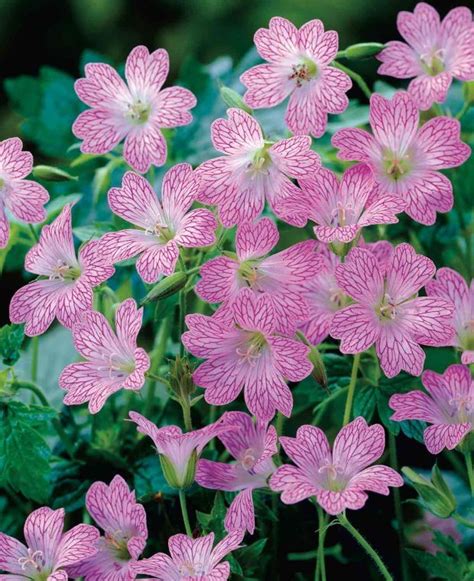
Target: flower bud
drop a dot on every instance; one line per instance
(319, 369)
(174, 477)
(166, 287)
(233, 99)
(181, 378)
(435, 493)
(52, 174)
(363, 50)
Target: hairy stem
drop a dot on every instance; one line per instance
(463, 521)
(185, 406)
(34, 358)
(320, 571)
(398, 507)
(351, 390)
(355, 77)
(184, 512)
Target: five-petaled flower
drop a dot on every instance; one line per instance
(163, 225)
(48, 551)
(136, 111)
(112, 359)
(252, 444)
(65, 291)
(405, 159)
(448, 406)
(253, 169)
(338, 478)
(243, 351)
(435, 53)
(388, 310)
(298, 66)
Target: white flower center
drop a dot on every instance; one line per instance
(35, 559)
(138, 112)
(63, 271)
(189, 569)
(250, 350)
(332, 475)
(433, 62)
(303, 72)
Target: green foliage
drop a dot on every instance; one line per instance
(11, 340)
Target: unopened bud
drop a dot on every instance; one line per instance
(52, 174)
(435, 493)
(166, 287)
(319, 369)
(363, 50)
(233, 99)
(181, 379)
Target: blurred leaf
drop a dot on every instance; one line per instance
(365, 402)
(95, 230)
(214, 521)
(149, 478)
(11, 340)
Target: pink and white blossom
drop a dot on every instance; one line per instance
(48, 551)
(252, 169)
(191, 559)
(448, 406)
(112, 359)
(450, 285)
(387, 310)
(339, 478)
(404, 158)
(243, 351)
(25, 199)
(279, 276)
(123, 520)
(299, 67)
(65, 288)
(135, 111)
(252, 444)
(435, 52)
(164, 225)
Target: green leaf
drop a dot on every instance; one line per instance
(365, 401)
(11, 340)
(214, 521)
(149, 479)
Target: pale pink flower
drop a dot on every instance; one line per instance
(450, 285)
(388, 310)
(112, 359)
(48, 551)
(164, 225)
(252, 445)
(448, 406)
(65, 289)
(191, 559)
(298, 66)
(243, 351)
(135, 111)
(339, 209)
(180, 450)
(434, 53)
(278, 276)
(421, 532)
(123, 520)
(253, 169)
(23, 198)
(405, 159)
(339, 478)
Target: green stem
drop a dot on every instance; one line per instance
(355, 77)
(30, 386)
(182, 309)
(470, 471)
(156, 358)
(351, 390)
(33, 233)
(184, 512)
(463, 521)
(365, 545)
(465, 108)
(436, 108)
(398, 507)
(319, 409)
(320, 571)
(188, 423)
(212, 419)
(34, 358)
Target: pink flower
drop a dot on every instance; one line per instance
(339, 478)
(448, 406)
(164, 225)
(298, 65)
(388, 311)
(65, 291)
(279, 276)
(252, 169)
(191, 559)
(340, 209)
(123, 521)
(23, 198)
(450, 285)
(178, 452)
(435, 53)
(421, 532)
(113, 360)
(252, 445)
(136, 111)
(243, 351)
(404, 159)
(48, 550)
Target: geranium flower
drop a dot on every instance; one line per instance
(191, 559)
(23, 198)
(243, 351)
(435, 53)
(252, 445)
(123, 520)
(48, 551)
(448, 406)
(178, 452)
(65, 291)
(135, 111)
(164, 225)
(113, 360)
(341, 478)
(340, 209)
(388, 311)
(252, 170)
(298, 65)
(450, 285)
(404, 159)
(278, 276)
(421, 532)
